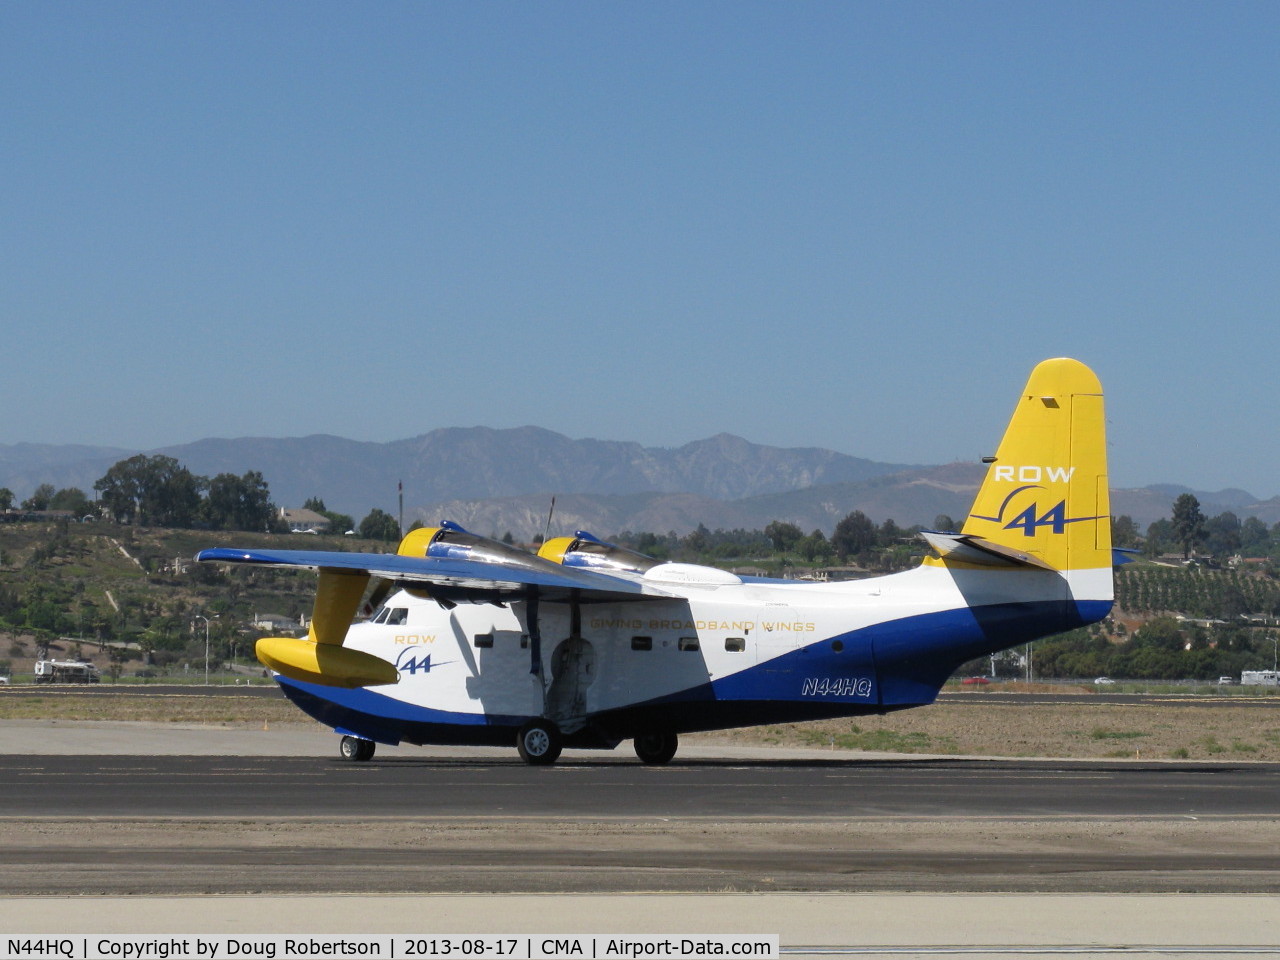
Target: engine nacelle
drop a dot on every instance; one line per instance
(450, 541)
(584, 550)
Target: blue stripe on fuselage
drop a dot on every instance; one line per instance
(883, 667)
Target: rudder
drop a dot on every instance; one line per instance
(1046, 492)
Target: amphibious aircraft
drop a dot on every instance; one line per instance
(588, 644)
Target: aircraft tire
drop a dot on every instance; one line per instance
(656, 747)
(539, 743)
(357, 750)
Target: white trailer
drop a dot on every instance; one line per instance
(66, 671)
(1260, 678)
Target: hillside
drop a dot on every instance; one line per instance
(500, 480)
(453, 464)
(115, 584)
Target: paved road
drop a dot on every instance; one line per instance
(174, 786)
(232, 824)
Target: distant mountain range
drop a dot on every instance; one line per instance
(494, 481)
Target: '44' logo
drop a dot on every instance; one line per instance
(409, 662)
(1028, 522)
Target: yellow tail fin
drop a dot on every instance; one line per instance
(1046, 492)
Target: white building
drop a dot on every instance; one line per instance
(304, 521)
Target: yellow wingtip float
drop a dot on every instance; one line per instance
(332, 666)
(320, 657)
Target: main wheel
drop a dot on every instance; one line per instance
(354, 748)
(539, 743)
(656, 747)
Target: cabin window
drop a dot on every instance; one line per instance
(524, 641)
(484, 641)
(642, 643)
(398, 616)
(735, 644)
(688, 643)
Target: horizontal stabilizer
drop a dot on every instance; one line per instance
(966, 548)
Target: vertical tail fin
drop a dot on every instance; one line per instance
(1046, 494)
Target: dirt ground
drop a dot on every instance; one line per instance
(542, 855)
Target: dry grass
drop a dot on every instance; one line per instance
(151, 708)
(1153, 729)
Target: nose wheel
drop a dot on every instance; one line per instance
(539, 743)
(353, 748)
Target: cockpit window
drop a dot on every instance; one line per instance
(398, 616)
(381, 615)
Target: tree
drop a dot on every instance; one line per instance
(1161, 538)
(815, 547)
(72, 499)
(6, 498)
(41, 498)
(890, 533)
(1124, 532)
(853, 535)
(341, 522)
(1188, 523)
(151, 490)
(239, 503)
(944, 524)
(1222, 534)
(380, 525)
(785, 536)
(1255, 538)
(698, 541)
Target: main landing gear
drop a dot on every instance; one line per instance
(656, 747)
(539, 743)
(353, 748)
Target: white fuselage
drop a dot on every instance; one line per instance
(786, 642)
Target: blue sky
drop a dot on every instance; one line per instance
(849, 225)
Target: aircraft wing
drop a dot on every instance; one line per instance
(454, 579)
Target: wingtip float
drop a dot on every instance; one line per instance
(587, 644)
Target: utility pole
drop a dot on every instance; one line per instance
(200, 616)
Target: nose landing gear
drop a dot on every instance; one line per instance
(539, 743)
(353, 748)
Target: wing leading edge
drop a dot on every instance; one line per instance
(458, 580)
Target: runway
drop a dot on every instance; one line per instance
(221, 829)
(496, 784)
(482, 821)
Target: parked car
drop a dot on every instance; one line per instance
(974, 681)
(1226, 681)
(1103, 682)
